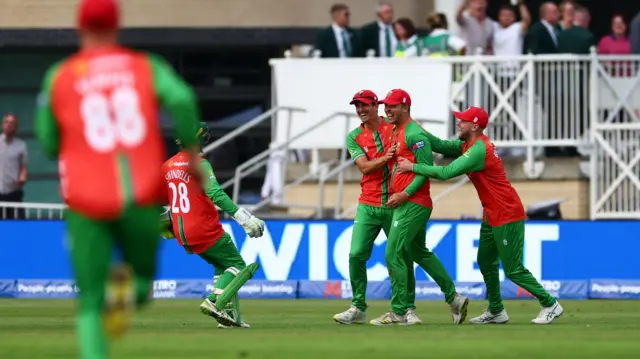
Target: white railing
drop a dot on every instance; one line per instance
(582, 104)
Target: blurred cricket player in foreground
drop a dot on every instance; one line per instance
(98, 113)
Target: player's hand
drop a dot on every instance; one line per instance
(391, 152)
(397, 199)
(254, 227)
(404, 165)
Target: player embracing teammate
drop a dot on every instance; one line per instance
(398, 204)
(502, 229)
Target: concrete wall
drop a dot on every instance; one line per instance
(206, 13)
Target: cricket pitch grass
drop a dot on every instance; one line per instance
(173, 328)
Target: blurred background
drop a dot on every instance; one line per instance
(249, 61)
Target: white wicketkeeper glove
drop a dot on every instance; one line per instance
(252, 225)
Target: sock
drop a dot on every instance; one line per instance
(93, 344)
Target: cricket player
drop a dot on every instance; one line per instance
(412, 208)
(195, 223)
(98, 114)
(371, 148)
(502, 228)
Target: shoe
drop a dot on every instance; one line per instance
(353, 315)
(459, 309)
(491, 318)
(390, 318)
(412, 318)
(119, 302)
(548, 314)
(209, 308)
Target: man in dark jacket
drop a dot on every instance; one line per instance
(542, 37)
(379, 35)
(339, 40)
(578, 39)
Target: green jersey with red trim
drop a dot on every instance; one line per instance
(373, 145)
(414, 145)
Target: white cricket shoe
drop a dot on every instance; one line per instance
(490, 318)
(242, 325)
(548, 314)
(353, 315)
(390, 318)
(209, 308)
(459, 309)
(412, 318)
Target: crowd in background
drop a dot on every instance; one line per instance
(561, 29)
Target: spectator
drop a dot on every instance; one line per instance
(567, 14)
(617, 42)
(408, 44)
(543, 35)
(13, 167)
(634, 37)
(508, 36)
(477, 28)
(440, 42)
(578, 39)
(338, 40)
(379, 35)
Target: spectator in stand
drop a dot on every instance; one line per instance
(508, 37)
(567, 14)
(634, 37)
(408, 42)
(476, 27)
(13, 167)
(617, 42)
(440, 42)
(578, 39)
(379, 35)
(339, 40)
(543, 35)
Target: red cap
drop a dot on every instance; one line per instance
(364, 96)
(98, 15)
(396, 97)
(475, 115)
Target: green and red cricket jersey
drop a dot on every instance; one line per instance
(375, 186)
(98, 112)
(480, 161)
(414, 145)
(195, 219)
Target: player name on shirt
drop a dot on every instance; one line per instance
(102, 81)
(178, 174)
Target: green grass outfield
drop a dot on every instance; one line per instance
(172, 328)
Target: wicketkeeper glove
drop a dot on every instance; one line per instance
(252, 225)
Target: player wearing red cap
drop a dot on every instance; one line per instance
(98, 113)
(412, 203)
(502, 228)
(371, 148)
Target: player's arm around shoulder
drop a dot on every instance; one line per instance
(471, 161)
(46, 126)
(451, 148)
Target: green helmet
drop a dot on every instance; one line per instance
(202, 134)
